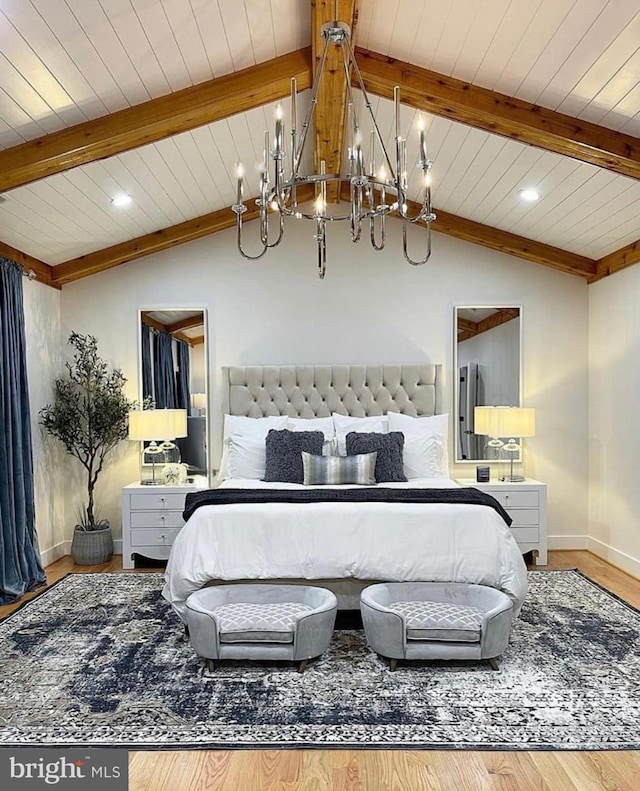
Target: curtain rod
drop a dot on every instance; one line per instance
(29, 273)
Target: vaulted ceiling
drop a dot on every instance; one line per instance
(159, 99)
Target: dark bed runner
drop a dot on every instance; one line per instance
(312, 495)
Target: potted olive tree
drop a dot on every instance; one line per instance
(89, 416)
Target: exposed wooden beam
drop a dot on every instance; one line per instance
(469, 329)
(504, 241)
(187, 231)
(619, 259)
(501, 114)
(186, 324)
(153, 323)
(465, 325)
(501, 316)
(154, 120)
(331, 108)
(158, 325)
(43, 272)
(511, 243)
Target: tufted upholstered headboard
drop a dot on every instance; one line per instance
(319, 390)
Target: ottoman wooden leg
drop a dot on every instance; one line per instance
(211, 665)
(494, 663)
(302, 666)
(393, 664)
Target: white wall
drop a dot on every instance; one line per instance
(197, 369)
(42, 330)
(614, 418)
(372, 307)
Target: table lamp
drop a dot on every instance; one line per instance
(505, 421)
(198, 403)
(151, 425)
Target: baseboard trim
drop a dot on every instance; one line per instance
(58, 551)
(55, 552)
(614, 556)
(567, 542)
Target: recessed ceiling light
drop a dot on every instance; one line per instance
(530, 194)
(122, 200)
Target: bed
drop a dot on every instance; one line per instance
(336, 542)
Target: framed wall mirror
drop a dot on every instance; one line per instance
(488, 366)
(173, 373)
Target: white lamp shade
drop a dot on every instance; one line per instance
(150, 424)
(198, 400)
(505, 421)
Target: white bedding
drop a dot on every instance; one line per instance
(368, 541)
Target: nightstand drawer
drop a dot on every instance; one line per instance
(150, 519)
(516, 499)
(154, 537)
(526, 535)
(522, 517)
(155, 501)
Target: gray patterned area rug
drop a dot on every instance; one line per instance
(100, 660)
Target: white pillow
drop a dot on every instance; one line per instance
(324, 424)
(255, 427)
(238, 424)
(246, 456)
(345, 423)
(425, 453)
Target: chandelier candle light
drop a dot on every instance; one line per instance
(367, 190)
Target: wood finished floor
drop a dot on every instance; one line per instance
(388, 770)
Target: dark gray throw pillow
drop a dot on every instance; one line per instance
(284, 453)
(389, 447)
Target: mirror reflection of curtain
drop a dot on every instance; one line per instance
(147, 367)
(183, 376)
(165, 382)
(20, 565)
(467, 400)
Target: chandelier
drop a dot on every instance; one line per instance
(372, 194)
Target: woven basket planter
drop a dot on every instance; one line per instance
(91, 547)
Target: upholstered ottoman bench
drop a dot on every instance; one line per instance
(261, 621)
(436, 620)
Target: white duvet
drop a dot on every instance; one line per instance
(394, 542)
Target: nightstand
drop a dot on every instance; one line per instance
(152, 518)
(526, 504)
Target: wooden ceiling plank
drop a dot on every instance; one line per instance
(616, 261)
(155, 242)
(503, 115)
(331, 107)
(43, 272)
(154, 120)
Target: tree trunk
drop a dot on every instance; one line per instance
(90, 487)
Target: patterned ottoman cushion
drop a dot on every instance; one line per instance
(431, 620)
(245, 622)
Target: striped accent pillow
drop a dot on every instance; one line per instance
(320, 470)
